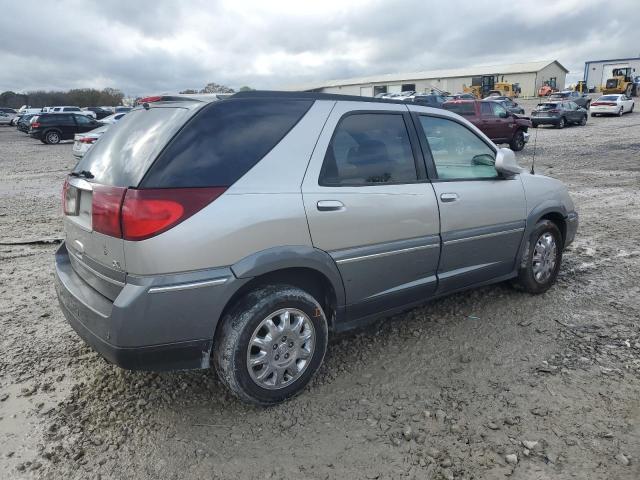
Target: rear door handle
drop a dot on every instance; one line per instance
(449, 197)
(330, 206)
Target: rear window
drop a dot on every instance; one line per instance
(126, 150)
(224, 141)
(543, 107)
(608, 98)
(466, 108)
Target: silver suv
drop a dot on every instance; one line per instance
(244, 230)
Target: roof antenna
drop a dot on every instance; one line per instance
(533, 161)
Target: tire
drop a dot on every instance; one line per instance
(248, 320)
(517, 142)
(52, 137)
(540, 263)
(583, 122)
(621, 111)
(632, 105)
(561, 123)
(594, 114)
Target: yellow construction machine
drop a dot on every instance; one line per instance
(487, 85)
(621, 81)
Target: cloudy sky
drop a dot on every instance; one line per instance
(153, 46)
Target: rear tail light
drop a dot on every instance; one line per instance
(106, 205)
(146, 213)
(87, 139)
(609, 104)
(150, 99)
(35, 125)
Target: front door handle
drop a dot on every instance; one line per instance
(330, 206)
(449, 197)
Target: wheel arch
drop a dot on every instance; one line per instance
(305, 267)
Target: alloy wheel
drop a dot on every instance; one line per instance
(281, 348)
(544, 257)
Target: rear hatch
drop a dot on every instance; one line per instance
(94, 191)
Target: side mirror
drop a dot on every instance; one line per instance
(504, 114)
(506, 163)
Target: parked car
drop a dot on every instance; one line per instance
(493, 120)
(113, 118)
(429, 100)
(82, 142)
(581, 99)
(52, 128)
(77, 110)
(507, 103)
(559, 114)
(615, 104)
(5, 118)
(99, 112)
(194, 233)
(23, 123)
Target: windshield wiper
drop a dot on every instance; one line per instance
(82, 174)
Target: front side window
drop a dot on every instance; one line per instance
(369, 149)
(457, 152)
(499, 110)
(82, 120)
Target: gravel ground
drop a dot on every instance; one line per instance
(480, 385)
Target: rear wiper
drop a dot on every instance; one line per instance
(82, 173)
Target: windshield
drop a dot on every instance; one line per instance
(543, 107)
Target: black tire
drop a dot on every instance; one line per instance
(583, 122)
(239, 324)
(517, 142)
(52, 137)
(632, 105)
(620, 112)
(561, 123)
(527, 279)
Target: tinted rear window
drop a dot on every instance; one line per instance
(468, 109)
(548, 106)
(224, 141)
(126, 150)
(608, 98)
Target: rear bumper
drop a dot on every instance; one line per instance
(605, 110)
(156, 323)
(545, 120)
(572, 228)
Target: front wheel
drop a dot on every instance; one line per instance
(541, 260)
(517, 142)
(271, 343)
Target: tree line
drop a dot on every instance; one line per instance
(79, 97)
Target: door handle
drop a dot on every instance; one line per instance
(449, 197)
(330, 206)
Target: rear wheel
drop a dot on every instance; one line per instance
(52, 138)
(631, 109)
(541, 259)
(271, 343)
(583, 122)
(517, 142)
(621, 111)
(561, 123)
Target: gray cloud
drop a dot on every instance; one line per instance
(147, 46)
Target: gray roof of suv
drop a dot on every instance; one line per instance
(311, 96)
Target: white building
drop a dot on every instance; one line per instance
(596, 72)
(531, 76)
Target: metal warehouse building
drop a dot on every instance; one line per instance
(596, 72)
(531, 76)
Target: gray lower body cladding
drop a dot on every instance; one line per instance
(155, 323)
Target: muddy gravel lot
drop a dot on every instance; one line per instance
(480, 385)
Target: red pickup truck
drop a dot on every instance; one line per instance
(500, 125)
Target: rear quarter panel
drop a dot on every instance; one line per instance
(263, 209)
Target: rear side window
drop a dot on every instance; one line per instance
(466, 108)
(224, 141)
(369, 149)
